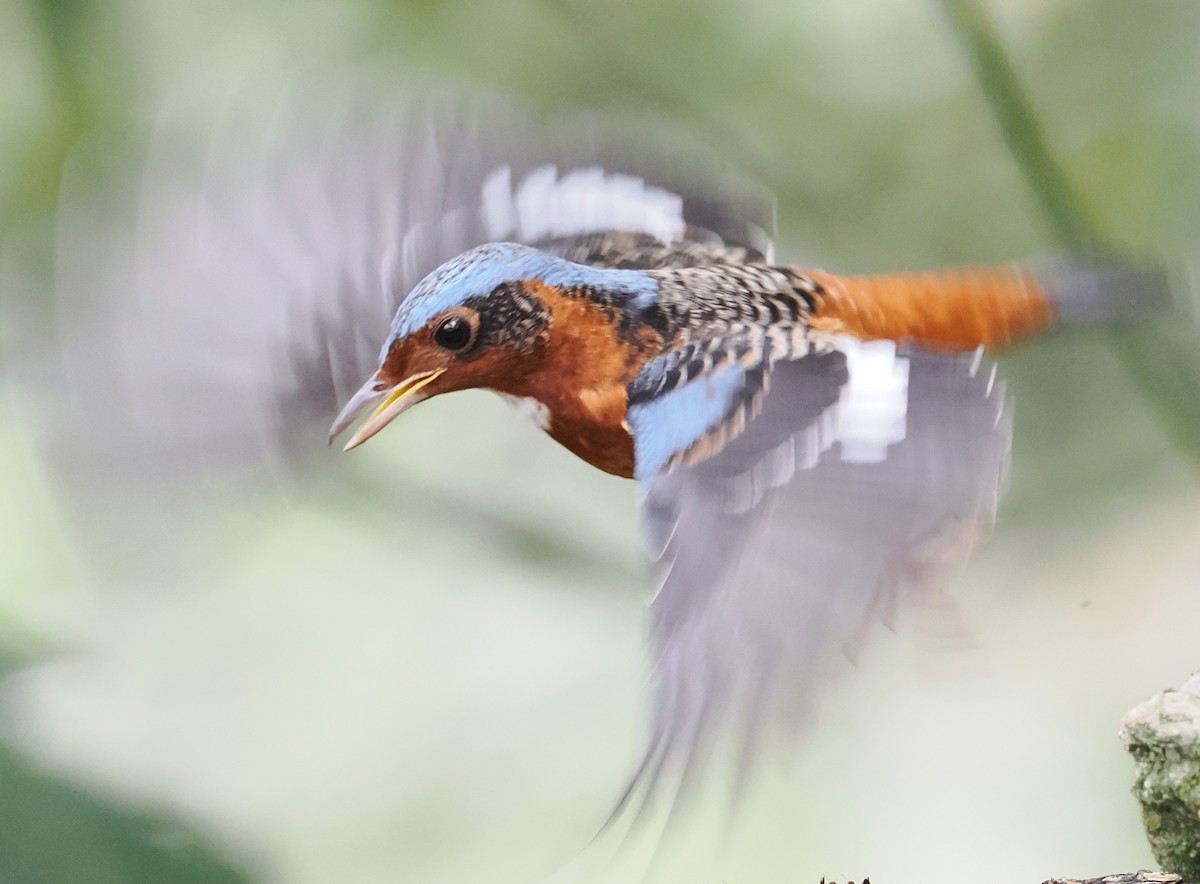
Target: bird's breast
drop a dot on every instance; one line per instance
(606, 446)
(593, 427)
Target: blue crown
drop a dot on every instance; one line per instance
(478, 272)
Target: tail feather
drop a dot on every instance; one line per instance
(1102, 291)
(992, 307)
(946, 311)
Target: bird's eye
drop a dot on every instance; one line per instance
(454, 333)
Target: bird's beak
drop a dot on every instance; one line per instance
(396, 400)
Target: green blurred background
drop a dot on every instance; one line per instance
(427, 665)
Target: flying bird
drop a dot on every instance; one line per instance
(806, 443)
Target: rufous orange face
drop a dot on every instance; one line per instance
(465, 352)
(464, 347)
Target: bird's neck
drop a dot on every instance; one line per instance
(582, 374)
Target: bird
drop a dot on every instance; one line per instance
(807, 445)
(804, 442)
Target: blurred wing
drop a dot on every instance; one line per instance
(859, 470)
(216, 310)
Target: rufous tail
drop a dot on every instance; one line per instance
(991, 307)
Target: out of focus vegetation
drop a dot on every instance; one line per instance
(51, 831)
(426, 665)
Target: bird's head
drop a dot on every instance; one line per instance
(508, 318)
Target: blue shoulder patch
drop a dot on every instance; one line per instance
(672, 421)
(479, 271)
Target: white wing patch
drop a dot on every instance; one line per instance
(870, 415)
(873, 408)
(584, 200)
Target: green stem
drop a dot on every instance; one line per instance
(1019, 126)
(1164, 369)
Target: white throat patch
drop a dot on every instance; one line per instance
(530, 407)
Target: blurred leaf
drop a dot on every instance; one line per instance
(52, 831)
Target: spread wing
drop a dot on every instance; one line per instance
(859, 470)
(222, 302)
